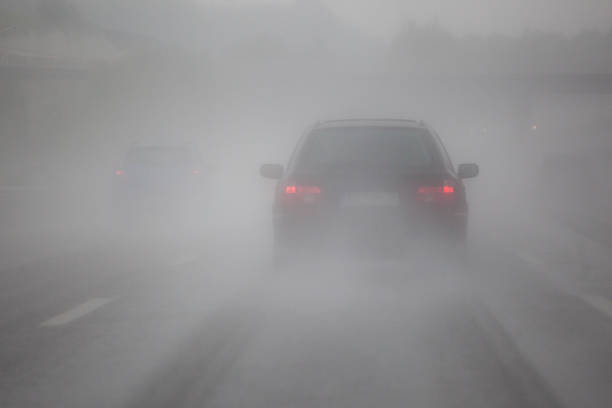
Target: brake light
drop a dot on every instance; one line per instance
(195, 172)
(439, 193)
(295, 194)
(118, 172)
(302, 190)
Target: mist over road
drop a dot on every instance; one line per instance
(154, 320)
(137, 247)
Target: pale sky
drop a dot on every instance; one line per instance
(384, 17)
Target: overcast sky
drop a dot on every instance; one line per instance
(384, 17)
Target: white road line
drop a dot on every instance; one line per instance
(76, 312)
(600, 303)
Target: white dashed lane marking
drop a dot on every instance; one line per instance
(76, 312)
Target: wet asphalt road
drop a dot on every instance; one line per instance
(134, 324)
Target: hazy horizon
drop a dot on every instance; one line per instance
(387, 17)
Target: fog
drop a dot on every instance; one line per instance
(179, 299)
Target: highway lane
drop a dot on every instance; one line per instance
(154, 291)
(363, 335)
(156, 324)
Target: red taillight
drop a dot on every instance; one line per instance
(436, 190)
(297, 193)
(304, 190)
(439, 193)
(195, 172)
(118, 172)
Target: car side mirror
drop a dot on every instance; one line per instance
(467, 170)
(271, 171)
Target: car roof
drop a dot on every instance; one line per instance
(370, 122)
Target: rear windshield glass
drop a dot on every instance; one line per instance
(385, 147)
(160, 156)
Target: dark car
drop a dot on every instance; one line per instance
(158, 181)
(365, 184)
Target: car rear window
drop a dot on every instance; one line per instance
(383, 147)
(160, 157)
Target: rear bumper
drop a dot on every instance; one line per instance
(367, 231)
